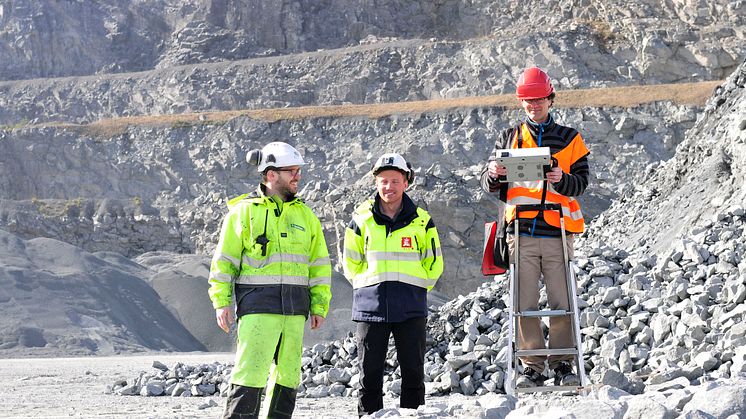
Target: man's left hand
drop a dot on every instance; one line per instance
(554, 175)
(316, 321)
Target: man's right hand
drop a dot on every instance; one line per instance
(224, 317)
(495, 170)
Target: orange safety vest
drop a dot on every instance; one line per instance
(529, 192)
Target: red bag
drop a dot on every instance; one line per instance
(495, 255)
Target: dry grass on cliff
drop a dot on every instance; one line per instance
(625, 97)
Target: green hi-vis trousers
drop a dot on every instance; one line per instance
(260, 337)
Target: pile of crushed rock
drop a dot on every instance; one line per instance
(669, 324)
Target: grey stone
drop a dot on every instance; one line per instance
(159, 365)
(676, 383)
(609, 377)
(208, 404)
(496, 406)
(719, 400)
(610, 393)
(588, 409)
(611, 294)
(644, 407)
(696, 414)
(337, 375)
(179, 389)
(467, 386)
(151, 390)
(318, 391)
(129, 390)
(706, 361)
(394, 387)
(612, 346)
(459, 361)
(665, 376)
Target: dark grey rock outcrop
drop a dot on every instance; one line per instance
(47, 39)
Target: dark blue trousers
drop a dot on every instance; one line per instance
(372, 346)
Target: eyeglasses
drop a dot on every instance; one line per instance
(293, 172)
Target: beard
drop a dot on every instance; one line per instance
(286, 191)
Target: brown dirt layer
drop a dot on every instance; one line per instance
(625, 97)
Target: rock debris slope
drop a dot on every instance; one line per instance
(59, 300)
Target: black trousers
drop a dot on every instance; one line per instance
(372, 346)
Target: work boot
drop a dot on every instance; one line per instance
(283, 402)
(529, 378)
(563, 375)
(243, 402)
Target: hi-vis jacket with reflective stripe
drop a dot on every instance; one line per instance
(568, 148)
(391, 264)
(274, 254)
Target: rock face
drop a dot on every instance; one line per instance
(59, 184)
(46, 39)
(396, 51)
(700, 184)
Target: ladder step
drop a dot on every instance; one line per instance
(545, 352)
(544, 313)
(548, 388)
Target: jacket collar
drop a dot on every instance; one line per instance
(260, 195)
(535, 127)
(407, 214)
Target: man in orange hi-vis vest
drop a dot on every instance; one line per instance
(540, 242)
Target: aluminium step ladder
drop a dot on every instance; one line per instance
(515, 315)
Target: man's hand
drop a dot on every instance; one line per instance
(224, 317)
(555, 175)
(495, 170)
(316, 321)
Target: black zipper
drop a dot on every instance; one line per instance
(435, 253)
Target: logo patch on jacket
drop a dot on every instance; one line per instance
(406, 242)
(297, 227)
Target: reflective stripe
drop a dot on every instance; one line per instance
(529, 184)
(523, 200)
(428, 254)
(221, 277)
(526, 200)
(272, 280)
(353, 255)
(393, 277)
(321, 261)
(375, 256)
(320, 280)
(228, 258)
(275, 258)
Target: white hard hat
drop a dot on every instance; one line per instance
(396, 162)
(275, 154)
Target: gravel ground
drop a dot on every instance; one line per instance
(75, 387)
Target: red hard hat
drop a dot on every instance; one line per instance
(533, 84)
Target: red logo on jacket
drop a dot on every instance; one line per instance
(406, 242)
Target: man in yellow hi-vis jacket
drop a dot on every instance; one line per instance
(392, 257)
(272, 260)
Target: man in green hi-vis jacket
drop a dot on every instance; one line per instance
(272, 260)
